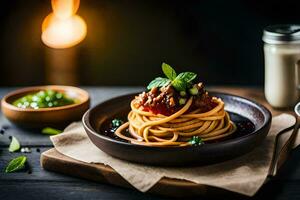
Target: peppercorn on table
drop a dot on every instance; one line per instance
(35, 183)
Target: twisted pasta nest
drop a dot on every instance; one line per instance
(150, 129)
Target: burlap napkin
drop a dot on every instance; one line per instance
(245, 174)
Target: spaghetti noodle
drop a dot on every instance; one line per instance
(150, 129)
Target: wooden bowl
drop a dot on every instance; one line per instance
(57, 117)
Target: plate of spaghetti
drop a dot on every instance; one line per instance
(176, 121)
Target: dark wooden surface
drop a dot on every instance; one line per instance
(37, 183)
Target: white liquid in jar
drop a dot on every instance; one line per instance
(282, 74)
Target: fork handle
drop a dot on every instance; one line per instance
(281, 157)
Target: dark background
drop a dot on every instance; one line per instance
(128, 40)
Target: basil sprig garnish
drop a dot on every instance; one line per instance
(16, 164)
(180, 82)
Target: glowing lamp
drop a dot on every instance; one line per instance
(63, 28)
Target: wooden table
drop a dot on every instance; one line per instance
(41, 184)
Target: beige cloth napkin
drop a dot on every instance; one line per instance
(245, 174)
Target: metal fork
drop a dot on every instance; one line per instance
(280, 157)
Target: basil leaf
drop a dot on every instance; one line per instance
(158, 82)
(183, 80)
(168, 71)
(16, 164)
(179, 84)
(14, 145)
(51, 131)
(186, 76)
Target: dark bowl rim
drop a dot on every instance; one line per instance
(267, 114)
(8, 105)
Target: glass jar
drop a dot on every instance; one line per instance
(282, 60)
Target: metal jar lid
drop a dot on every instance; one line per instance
(282, 34)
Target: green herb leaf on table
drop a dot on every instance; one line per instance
(158, 82)
(196, 141)
(51, 131)
(168, 71)
(16, 164)
(14, 145)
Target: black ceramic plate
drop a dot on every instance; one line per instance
(253, 121)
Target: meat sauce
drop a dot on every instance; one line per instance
(167, 100)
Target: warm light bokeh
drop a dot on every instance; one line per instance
(63, 28)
